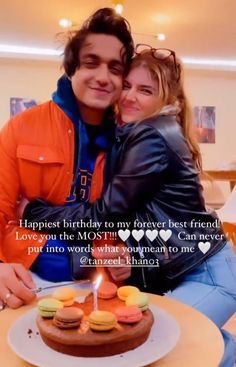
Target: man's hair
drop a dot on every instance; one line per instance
(103, 21)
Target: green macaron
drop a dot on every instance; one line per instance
(48, 307)
(138, 299)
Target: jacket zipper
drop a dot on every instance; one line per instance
(143, 274)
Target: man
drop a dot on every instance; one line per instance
(56, 150)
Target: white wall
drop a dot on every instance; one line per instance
(216, 88)
(27, 79)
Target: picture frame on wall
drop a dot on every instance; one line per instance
(204, 118)
(18, 105)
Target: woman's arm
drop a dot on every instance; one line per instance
(142, 169)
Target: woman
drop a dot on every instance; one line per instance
(154, 185)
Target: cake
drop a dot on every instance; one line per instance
(84, 341)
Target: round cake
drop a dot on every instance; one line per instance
(85, 342)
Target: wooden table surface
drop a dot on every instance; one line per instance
(200, 343)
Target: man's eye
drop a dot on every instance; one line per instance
(126, 86)
(117, 70)
(90, 64)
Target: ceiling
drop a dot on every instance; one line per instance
(194, 28)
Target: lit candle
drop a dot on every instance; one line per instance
(96, 285)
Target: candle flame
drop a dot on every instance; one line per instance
(98, 281)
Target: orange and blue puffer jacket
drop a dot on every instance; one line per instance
(37, 149)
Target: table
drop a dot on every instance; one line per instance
(200, 343)
(223, 175)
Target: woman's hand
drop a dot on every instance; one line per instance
(15, 285)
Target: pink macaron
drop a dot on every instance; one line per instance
(128, 314)
(107, 290)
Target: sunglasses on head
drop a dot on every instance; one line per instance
(159, 54)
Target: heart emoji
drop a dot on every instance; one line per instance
(137, 234)
(204, 246)
(151, 234)
(165, 234)
(124, 235)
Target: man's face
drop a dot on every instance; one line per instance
(97, 83)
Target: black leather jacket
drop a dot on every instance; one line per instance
(153, 184)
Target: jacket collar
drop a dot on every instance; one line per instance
(171, 109)
(123, 130)
(64, 97)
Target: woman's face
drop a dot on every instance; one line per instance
(139, 97)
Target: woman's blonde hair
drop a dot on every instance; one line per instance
(168, 73)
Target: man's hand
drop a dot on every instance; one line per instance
(119, 261)
(15, 284)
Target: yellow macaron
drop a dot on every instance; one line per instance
(138, 299)
(125, 291)
(65, 295)
(102, 320)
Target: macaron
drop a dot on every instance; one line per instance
(128, 314)
(48, 307)
(107, 290)
(125, 291)
(102, 320)
(68, 318)
(138, 299)
(65, 295)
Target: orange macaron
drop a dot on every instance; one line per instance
(107, 290)
(128, 314)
